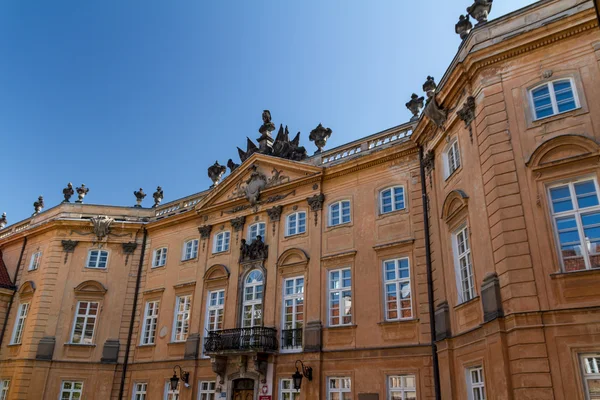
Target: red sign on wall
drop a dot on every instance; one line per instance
(263, 397)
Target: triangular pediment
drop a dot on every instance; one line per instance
(258, 174)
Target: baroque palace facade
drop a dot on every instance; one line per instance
(323, 267)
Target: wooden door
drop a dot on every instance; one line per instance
(243, 395)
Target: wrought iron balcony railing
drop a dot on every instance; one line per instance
(241, 340)
(291, 339)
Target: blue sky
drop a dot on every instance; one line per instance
(127, 94)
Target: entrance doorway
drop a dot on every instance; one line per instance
(243, 389)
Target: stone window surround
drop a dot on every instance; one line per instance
(453, 144)
(215, 238)
(380, 199)
(154, 252)
(286, 233)
(184, 249)
(339, 201)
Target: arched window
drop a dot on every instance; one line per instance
(553, 98)
(253, 295)
(257, 229)
(295, 223)
(391, 199)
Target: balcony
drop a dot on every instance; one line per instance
(291, 339)
(241, 340)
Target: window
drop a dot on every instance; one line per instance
(398, 304)
(293, 313)
(295, 223)
(85, 322)
(452, 158)
(340, 297)
(190, 250)
(255, 230)
(214, 314)
(554, 98)
(253, 294)
(4, 384)
(287, 391)
(34, 263)
(576, 215)
(20, 323)
(591, 375)
(150, 322)
(475, 383)
(160, 257)
(402, 387)
(139, 391)
(463, 265)
(206, 390)
(171, 394)
(97, 259)
(339, 389)
(339, 213)
(71, 390)
(391, 199)
(222, 241)
(181, 322)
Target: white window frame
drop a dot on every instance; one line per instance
(340, 389)
(180, 333)
(215, 302)
(4, 388)
(256, 302)
(475, 390)
(403, 390)
(340, 220)
(468, 293)
(159, 257)
(19, 328)
(339, 291)
(286, 386)
(576, 212)
(207, 390)
(140, 390)
(35, 261)
(589, 372)
(452, 160)
(225, 237)
(96, 265)
(392, 190)
(150, 323)
(293, 228)
(397, 282)
(294, 298)
(261, 230)
(71, 391)
(552, 95)
(171, 394)
(192, 246)
(86, 321)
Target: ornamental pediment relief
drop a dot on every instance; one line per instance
(563, 149)
(259, 174)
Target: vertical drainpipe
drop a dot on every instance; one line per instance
(135, 299)
(436, 366)
(12, 297)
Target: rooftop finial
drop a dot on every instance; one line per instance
(429, 87)
(81, 192)
(319, 135)
(415, 105)
(38, 205)
(463, 26)
(216, 172)
(158, 196)
(3, 220)
(480, 10)
(139, 196)
(68, 192)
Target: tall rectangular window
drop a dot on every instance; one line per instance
(34, 263)
(293, 313)
(340, 297)
(84, 324)
(71, 390)
(554, 98)
(206, 390)
(402, 387)
(150, 322)
(339, 213)
(576, 216)
(591, 375)
(139, 391)
(295, 223)
(215, 311)
(475, 383)
(339, 388)
(452, 158)
(464, 268)
(97, 259)
(221, 242)
(4, 385)
(287, 391)
(398, 299)
(255, 230)
(181, 322)
(17, 335)
(160, 257)
(190, 250)
(171, 394)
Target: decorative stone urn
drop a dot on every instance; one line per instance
(415, 105)
(139, 197)
(81, 192)
(480, 10)
(3, 221)
(38, 205)
(319, 135)
(158, 196)
(68, 192)
(463, 27)
(216, 172)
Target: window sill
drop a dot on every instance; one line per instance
(69, 344)
(291, 351)
(88, 269)
(339, 226)
(455, 172)
(146, 346)
(340, 327)
(13, 344)
(220, 253)
(161, 268)
(538, 121)
(295, 236)
(188, 261)
(401, 211)
(182, 343)
(466, 303)
(399, 322)
(583, 272)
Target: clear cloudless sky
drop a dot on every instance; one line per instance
(127, 94)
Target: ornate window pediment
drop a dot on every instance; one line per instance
(293, 257)
(90, 287)
(27, 289)
(455, 202)
(216, 272)
(561, 150)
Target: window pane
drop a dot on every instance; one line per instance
(586, 194)
(542, 102)
(564, 96)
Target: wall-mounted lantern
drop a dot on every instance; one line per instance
(297, 377)
(185, 376)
